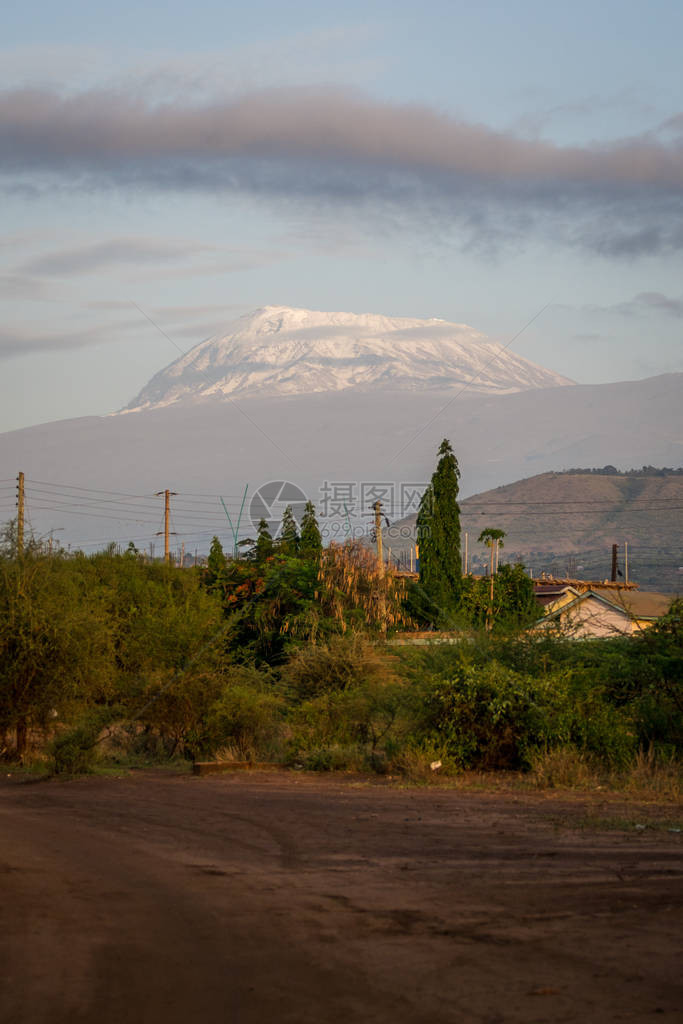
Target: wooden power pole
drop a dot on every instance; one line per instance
(615, 548)
(382, 607)
(167, 519)
(489, 610)
(20, 514)
(378, 534)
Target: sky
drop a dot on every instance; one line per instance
(167, 168)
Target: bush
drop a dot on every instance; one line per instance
(489, 716)
(492, 717)
(347, 704)
(75, 751)
(344, 663)
(248, 720)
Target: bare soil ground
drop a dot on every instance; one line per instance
(295, 898)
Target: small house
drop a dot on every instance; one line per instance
(598, 610)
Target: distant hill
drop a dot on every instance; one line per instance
(565, 524)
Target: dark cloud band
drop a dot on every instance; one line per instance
(339, 148)
(39, 129)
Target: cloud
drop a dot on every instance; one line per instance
(87, 259)
(138, 253)
(337, 148)
(315, 54)
(659, 303)
(41, 130)
(20, 341)
(223, 310)
(19, 286)
(186, 323)
(643, 304)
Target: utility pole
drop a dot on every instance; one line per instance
(466, 553)
(615, 548)
(489, 615)
(378, 534)
(494, 542)
(380, 566)
(167, 518)
(626, 561)
(20, 514)
(51, 535)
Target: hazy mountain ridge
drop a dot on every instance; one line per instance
(278, 350)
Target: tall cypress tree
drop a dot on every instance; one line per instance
(263, 547)
(289, 535)
(311, 542)
(438, 533)
(215, 564)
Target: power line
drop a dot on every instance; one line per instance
(123, 494)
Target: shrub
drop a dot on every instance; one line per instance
(247, 719)
(493, 717)
(344, 663)
(75, 751)
(347, 703)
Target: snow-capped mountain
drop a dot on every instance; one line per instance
(281, 351)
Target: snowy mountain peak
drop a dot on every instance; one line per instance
(277, 350)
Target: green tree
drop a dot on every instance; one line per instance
(263, 547)
(438, 534)
(269, 605)
(310, 544)
(289, 535)
(56, 642)
(516, 603)
(216, 562)
(493, 539)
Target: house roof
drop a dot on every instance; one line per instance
(639, 604)
(635, 604)
(546, 580)
(547, 594)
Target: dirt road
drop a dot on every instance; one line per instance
(292, 898)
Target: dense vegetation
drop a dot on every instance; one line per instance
(613, 471)
(286, 654)
(283, 656)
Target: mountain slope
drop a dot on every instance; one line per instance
(566, 523)
(281, 351)
(214, 446)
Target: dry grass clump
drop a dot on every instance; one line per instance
(652, 775)
(563, 767)
(350, 580)
(344, 663)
